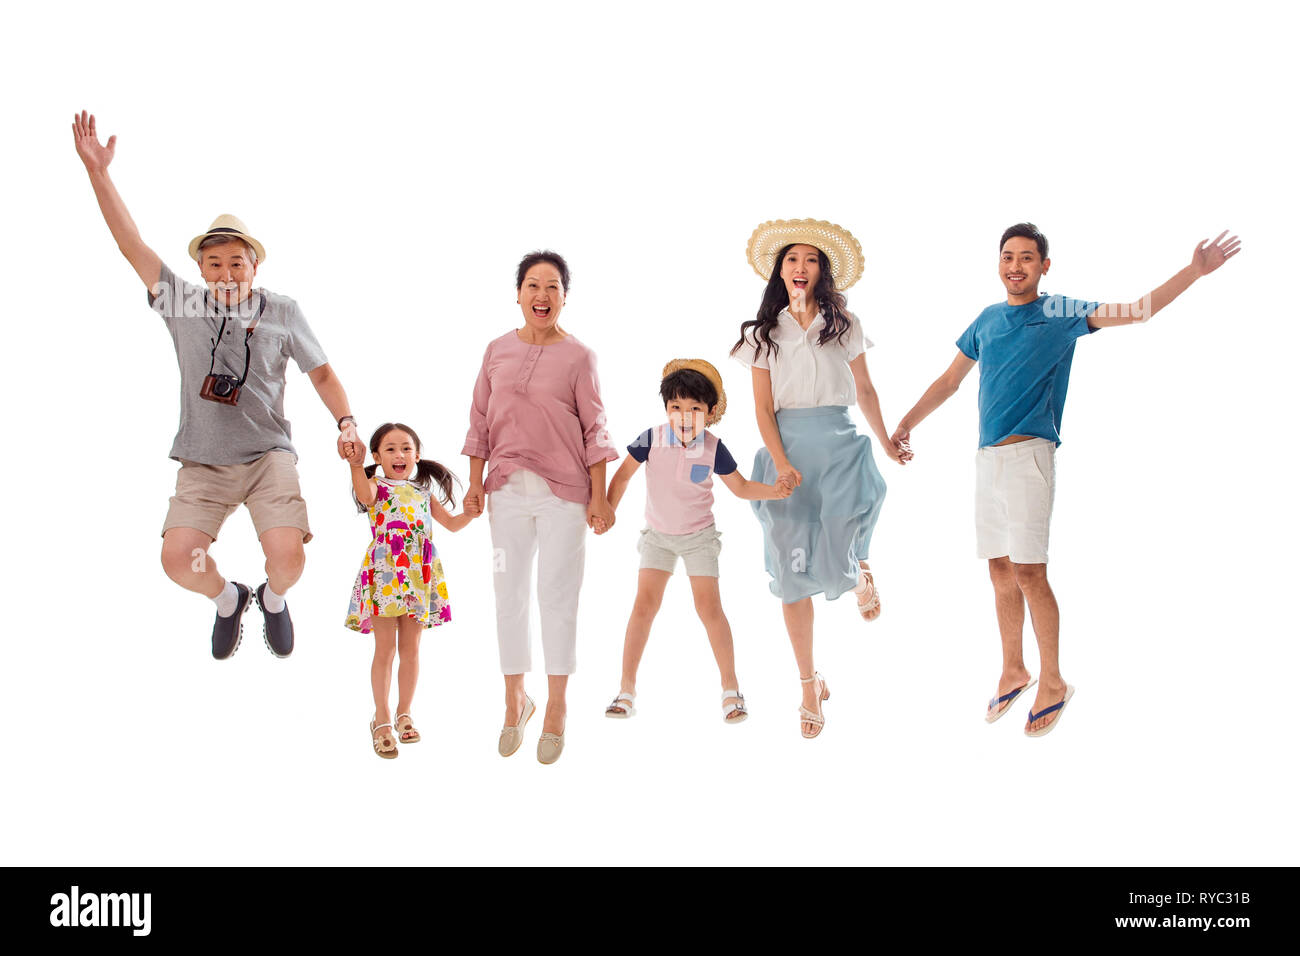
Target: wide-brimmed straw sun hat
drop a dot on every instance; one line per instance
(228, 225)
(709, 372)
(836, 242)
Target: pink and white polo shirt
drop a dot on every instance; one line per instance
(679, 478)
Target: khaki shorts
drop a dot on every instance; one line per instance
(1014, 488)
(207, 494)
(698, 551)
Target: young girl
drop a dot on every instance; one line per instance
(400, 590)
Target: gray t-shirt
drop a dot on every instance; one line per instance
(212, 433)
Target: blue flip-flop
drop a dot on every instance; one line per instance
(1010, 697)
(1069, 692)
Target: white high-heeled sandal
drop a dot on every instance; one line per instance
(806, 715)
(866, 593)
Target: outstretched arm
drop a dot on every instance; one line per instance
(748, 490)
(330, 390)
(869, 403)
(362, 486)
(1207, 257)
(618, 484)
(448, 520)
(944, 387)
(96, 157)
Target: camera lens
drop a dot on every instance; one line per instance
(222, 386)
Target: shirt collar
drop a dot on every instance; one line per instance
(816, 323)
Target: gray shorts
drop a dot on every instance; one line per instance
(698, 550)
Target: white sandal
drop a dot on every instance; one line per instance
(868, 597)
(623, 707)
(729, 709)
(806, 715)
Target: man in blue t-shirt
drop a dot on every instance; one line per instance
(1024, 348)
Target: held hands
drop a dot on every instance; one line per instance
(1205, 259)
(900, 445)
(95, 156)
(781, 490)
(350, 446)
(789, 476)
(600, 516)
(472, 503)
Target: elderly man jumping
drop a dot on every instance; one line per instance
(233, 343)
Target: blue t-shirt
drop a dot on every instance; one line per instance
(1024, 353)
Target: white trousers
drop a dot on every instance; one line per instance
(527, 519)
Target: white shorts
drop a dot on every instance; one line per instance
(1014, 488)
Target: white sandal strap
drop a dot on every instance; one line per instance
(811, 718)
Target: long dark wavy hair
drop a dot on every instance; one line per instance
(427, 473)
(833, 307)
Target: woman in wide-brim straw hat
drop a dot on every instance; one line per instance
(807, 356)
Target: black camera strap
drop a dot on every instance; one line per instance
(248, 334)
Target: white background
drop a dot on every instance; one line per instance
(397, 165)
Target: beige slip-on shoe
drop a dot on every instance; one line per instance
(549, 748)
(512, 737)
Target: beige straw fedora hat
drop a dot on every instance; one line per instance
(709, 372)
(838, 244)
(227, 225)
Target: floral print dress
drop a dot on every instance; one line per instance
(402, 574)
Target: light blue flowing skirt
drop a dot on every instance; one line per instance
(813, 540)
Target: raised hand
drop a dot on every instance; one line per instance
(350, 445)
(95, 156)
(1208, 258)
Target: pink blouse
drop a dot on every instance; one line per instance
(538, 407)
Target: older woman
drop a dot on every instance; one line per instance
(538, 419)
(806, 353)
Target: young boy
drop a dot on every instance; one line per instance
(1024, 348)
(681, 458)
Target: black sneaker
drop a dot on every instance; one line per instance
(277, 628)
(227, 632)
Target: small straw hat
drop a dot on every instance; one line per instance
(836, 242)
(709, 372)
(228, 225)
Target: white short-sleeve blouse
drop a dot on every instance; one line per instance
(805, 374)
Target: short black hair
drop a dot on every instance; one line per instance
(542, 255)
(689, 384)
(1029, 231)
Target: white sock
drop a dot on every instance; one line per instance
(226, 600)
(271, 601)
